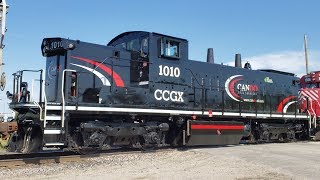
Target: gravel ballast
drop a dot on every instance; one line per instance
(174, 164)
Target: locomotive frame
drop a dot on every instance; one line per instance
(141, 90)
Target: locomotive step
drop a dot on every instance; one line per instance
(54, 144)
(52, 131)
(53, 118)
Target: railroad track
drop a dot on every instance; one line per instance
(14, 160)
(18, 159)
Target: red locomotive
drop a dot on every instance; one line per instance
(309, 100)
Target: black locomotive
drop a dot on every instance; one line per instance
(141, 90)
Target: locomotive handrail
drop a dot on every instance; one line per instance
(315, 116)
(45, 101)
(193, 76)
(312, 116)
(318, 104)
(45, 110)
(40, 111)
(101, 63)
(62, 95)
(45, 107)
(18, 79)
(32, 97)
(203, 88)
(41, 117)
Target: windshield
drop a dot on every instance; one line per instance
(315, 85)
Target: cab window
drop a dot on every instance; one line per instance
(144, 47)
(133, 45)
(122, 46)
(311, 86)
(169, 48)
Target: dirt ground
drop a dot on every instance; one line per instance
(265, 161)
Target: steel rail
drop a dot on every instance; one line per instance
(16, 160)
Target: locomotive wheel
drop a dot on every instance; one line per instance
(136, 142)
(14, 144)
(32, 140)
(146, 146)
(77, 145)
(317, 136)
(107, 143)
(75, 141)
(251, 139)
(175, 137)
(282, 138)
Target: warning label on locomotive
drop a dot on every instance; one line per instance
(239, 90)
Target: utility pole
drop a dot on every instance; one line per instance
(3, 14)
(306, 53)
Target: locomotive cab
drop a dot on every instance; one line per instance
(147, 51)
(128, 62)
(137, 43)
(311, 80)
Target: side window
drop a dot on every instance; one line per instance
(144, 47)
(169, 48)
(122, 45)
(312, 86)
(133, 45)
(73, 84)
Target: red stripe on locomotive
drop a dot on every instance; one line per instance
(215, 127)
(116, 77)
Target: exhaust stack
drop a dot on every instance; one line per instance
(210, 58)
(237, 61)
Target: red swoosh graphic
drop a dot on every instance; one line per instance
(231, 88)
(283, 102)
(116, 77)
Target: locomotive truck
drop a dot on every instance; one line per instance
(142, 90)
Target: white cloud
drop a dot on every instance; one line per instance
(288, 61)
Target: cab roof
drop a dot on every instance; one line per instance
(130, 34)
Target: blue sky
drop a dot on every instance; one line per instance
(266, 33)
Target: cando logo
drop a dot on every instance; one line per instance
(235, 89)
(247, 88)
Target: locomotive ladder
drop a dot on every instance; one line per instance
(55, 134)
(51, 134)
(312, 117)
